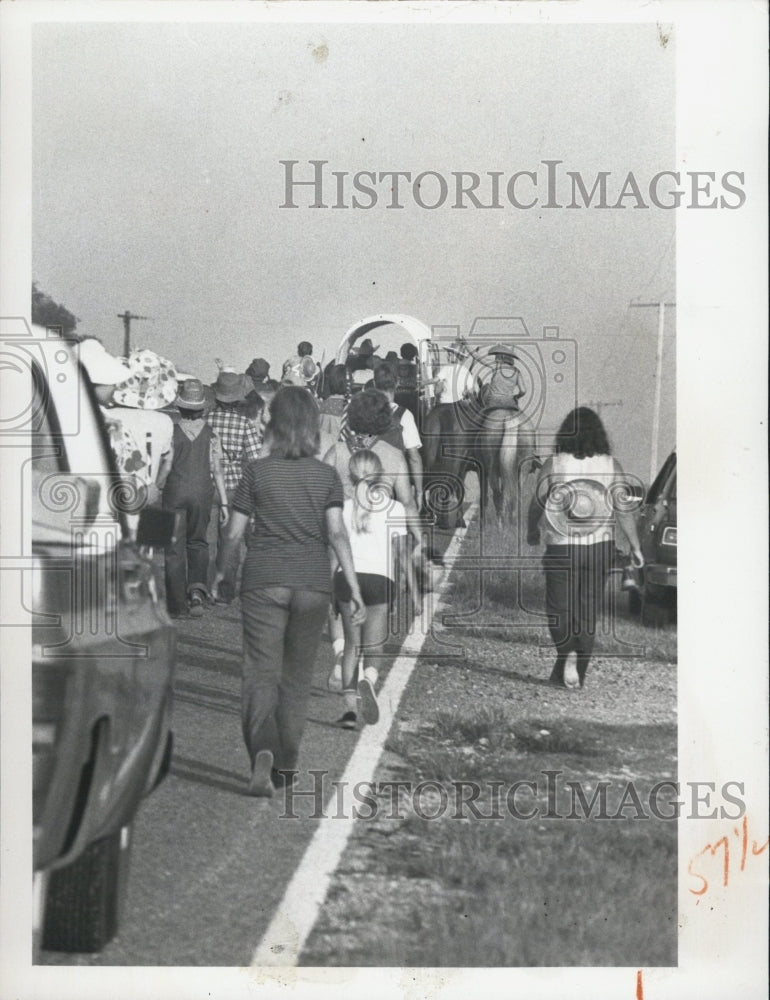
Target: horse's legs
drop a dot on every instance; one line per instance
(490, 440)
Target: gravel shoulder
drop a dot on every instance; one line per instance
(457, 891)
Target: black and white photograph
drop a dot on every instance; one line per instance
(352, 355)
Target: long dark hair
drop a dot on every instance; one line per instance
(582, 434)
(293, 430)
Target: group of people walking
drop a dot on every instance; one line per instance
(314, 502)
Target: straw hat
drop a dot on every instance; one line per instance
(229, 387)
(578, 507)
(192, 395)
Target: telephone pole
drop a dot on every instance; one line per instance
(661, 307)
(127, 316)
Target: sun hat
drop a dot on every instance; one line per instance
(503, 349)
(101, 366)
(229, 387)
(192, 395)
(578, 507)
(152, 382)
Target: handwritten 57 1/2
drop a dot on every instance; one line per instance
(736, 849)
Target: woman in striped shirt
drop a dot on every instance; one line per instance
(296, 502)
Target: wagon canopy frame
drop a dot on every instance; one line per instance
(418, 331)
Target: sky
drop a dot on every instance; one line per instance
(158, 186)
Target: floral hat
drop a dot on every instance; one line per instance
(152, 384)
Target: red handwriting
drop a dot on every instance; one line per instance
(739, 839)
(639, 986)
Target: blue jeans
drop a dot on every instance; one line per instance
(281, 632)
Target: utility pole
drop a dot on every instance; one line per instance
(127, 316)
(661, 307)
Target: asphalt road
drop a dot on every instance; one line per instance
(209, 863)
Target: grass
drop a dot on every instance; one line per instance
(486, 886)
(490, 724)
(541, 891)
(507, 602)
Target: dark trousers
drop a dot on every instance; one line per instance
(281, 632)
(187, 558)
(216, 538)
(575, 576)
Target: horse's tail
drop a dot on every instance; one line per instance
(509, 455)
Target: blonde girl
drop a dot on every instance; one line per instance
(372, 518)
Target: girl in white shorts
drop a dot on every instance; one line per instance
(372, 518)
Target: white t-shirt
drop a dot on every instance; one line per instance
(409, 432)
(606, 473)
(372, 550)
(458, 381)
(154, 435)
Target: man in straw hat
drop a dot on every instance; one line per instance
(456, 380)
(240, 444)
(189, 493)
(503, 389)
(361, 362)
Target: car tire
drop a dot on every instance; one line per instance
(85, 900)
(634, 602)
(654, 609)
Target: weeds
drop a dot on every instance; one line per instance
(485, 723)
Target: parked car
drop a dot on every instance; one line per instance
(103, 651)
(656, 597)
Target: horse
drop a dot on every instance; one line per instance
(504, 446)
(449, 433)
(460, 437)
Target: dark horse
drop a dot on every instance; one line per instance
(460, 437)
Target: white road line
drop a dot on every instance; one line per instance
(297, 912)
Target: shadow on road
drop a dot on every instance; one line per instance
(206, 774)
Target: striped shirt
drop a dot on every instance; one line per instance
(288, 499)
(239, 439)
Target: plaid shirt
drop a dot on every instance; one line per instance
(240, 443)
